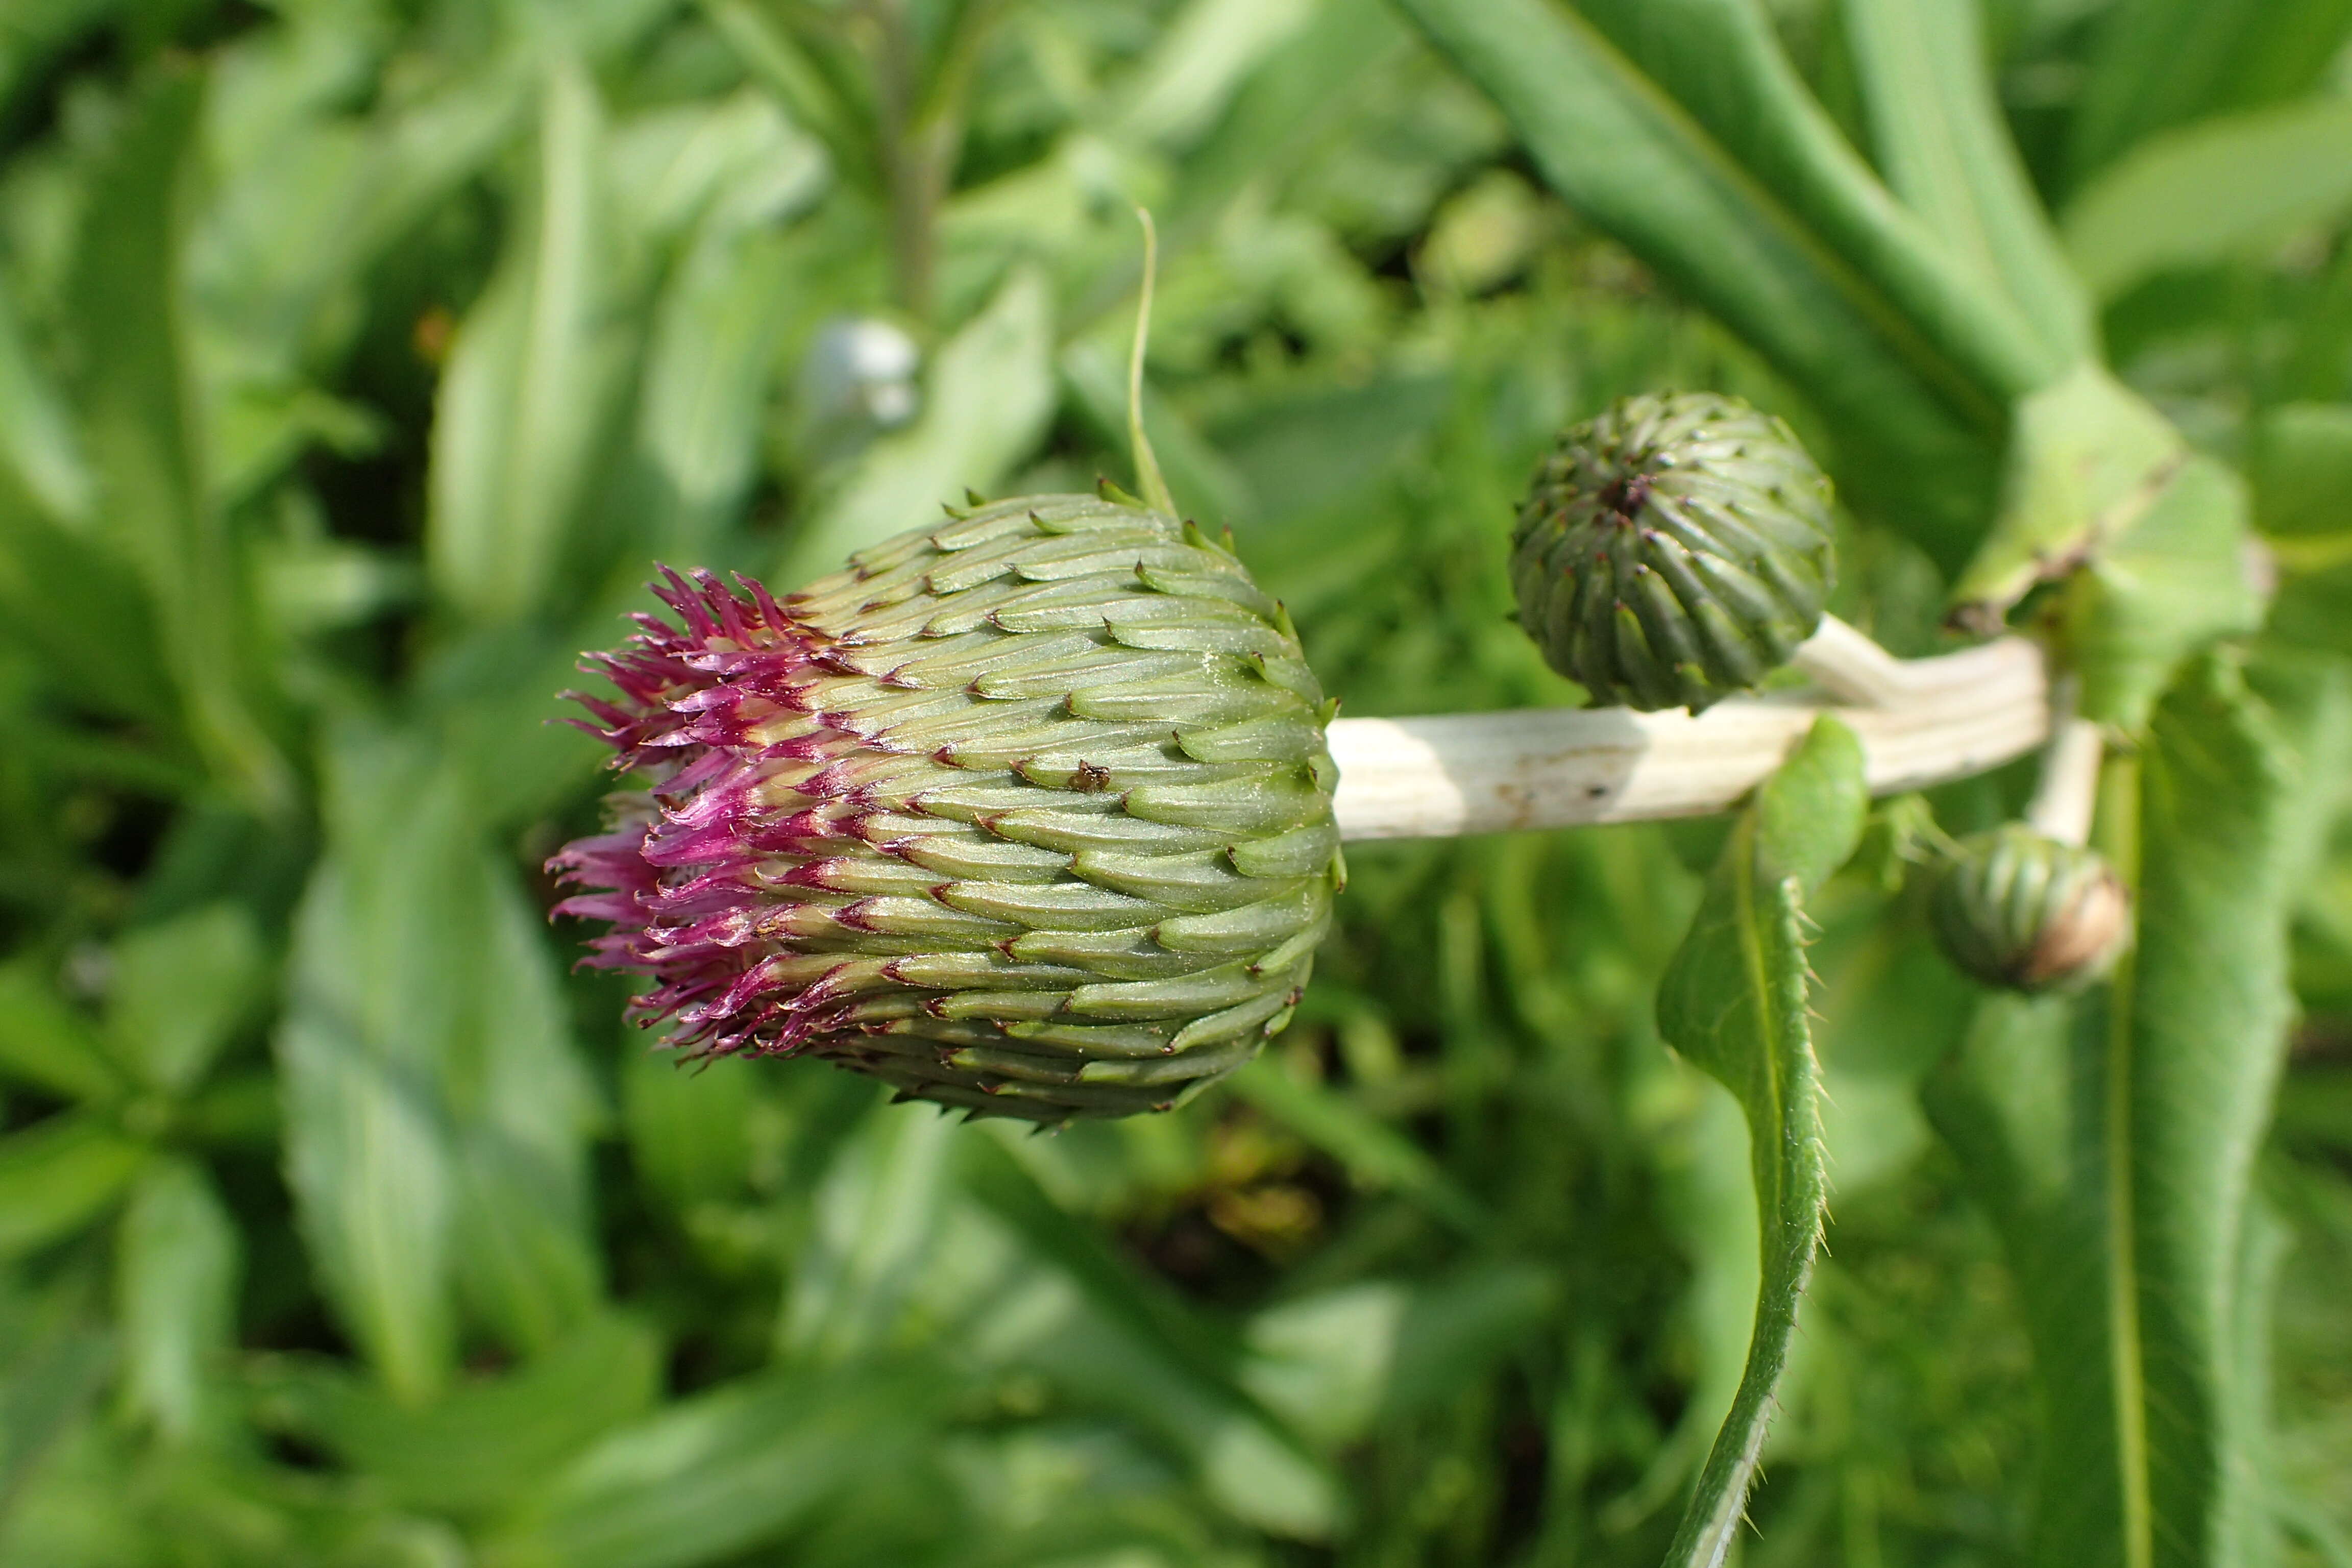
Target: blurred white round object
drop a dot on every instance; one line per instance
(860, 370)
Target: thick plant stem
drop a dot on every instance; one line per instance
(1854, 670)
(1926, 721)
(2066, 796)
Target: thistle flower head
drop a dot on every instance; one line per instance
(1028, 813)
(2023, 912)
(1672, 550)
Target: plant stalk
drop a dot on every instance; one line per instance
(1931, 720)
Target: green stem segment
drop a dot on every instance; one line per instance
(1147, 478)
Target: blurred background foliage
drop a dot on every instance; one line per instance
(357, 360)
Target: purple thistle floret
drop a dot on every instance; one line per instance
(682, 866)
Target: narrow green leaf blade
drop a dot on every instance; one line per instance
(2155, 64)
(368, 1165)
(1685, 133)
(1377, 1155)
(877, 1215)
(2213, 192)
(175, 1290)
(57, 1176)
(181, 989)
(709, 1477)
(2020, 1104)
(1734, 1002)
(1723, 63)
(45, 1043)
(1940, 137)
(38, 439)
(145, 436)
(486, 1443)
(530, 385)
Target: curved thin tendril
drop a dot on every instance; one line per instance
(1147, 477)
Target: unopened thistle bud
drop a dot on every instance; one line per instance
(1028, 813)
(2016, 910)
(1672, 550)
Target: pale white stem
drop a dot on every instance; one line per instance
(1486, 773)
(1853, 668)
(2068, 793)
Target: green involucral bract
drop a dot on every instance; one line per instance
(1028, 813)
(2025, 912)
(1672, 550)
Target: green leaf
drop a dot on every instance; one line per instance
(1336, 1363)
(1131, 1344)
(1376, 1156)
(1945, 150)
(46, 1043)
(689, 1124)
(523, 1110)
(709, 362)
(2213, 192)
(145, 440)
(59, 1176)
(2175, 579)
(54, 1359)
(2303, 469)
(1205, 484)
(876, 1215)
(370, 1170)
(37, 435)
(2088, 458)
(2115, 1150)
(2196, 1054)
(2020, 1105)
(709, 1477)
(419, 974)
(175, 1292)
(532, 381)
(306, 196)
(62, 598)
(1733, 1001)
(1200, 61)
(1300, 450)
(2160, 63)
(1699, 148)
(484, 1443)
(988, 396)
(180, 990)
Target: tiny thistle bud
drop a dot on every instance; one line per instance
(1672, 550)
(2016, 910)
(1028, 813)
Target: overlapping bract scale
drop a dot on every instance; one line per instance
(1028, 813)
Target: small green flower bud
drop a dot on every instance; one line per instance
(1028, 813)
(1672, 550)
(2024, 912)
